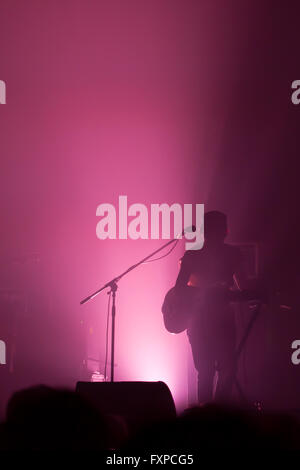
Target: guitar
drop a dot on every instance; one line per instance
(178, 308)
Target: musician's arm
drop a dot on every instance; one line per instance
(240, 278)
(251, 288)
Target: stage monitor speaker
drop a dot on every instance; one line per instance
(139, 403)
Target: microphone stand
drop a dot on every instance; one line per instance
(113, 289)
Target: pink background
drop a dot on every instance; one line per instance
(162, 101)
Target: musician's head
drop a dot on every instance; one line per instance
(215, 227)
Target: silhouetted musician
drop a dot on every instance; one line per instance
(203, 283)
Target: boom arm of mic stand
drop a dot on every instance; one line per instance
(116, 279)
